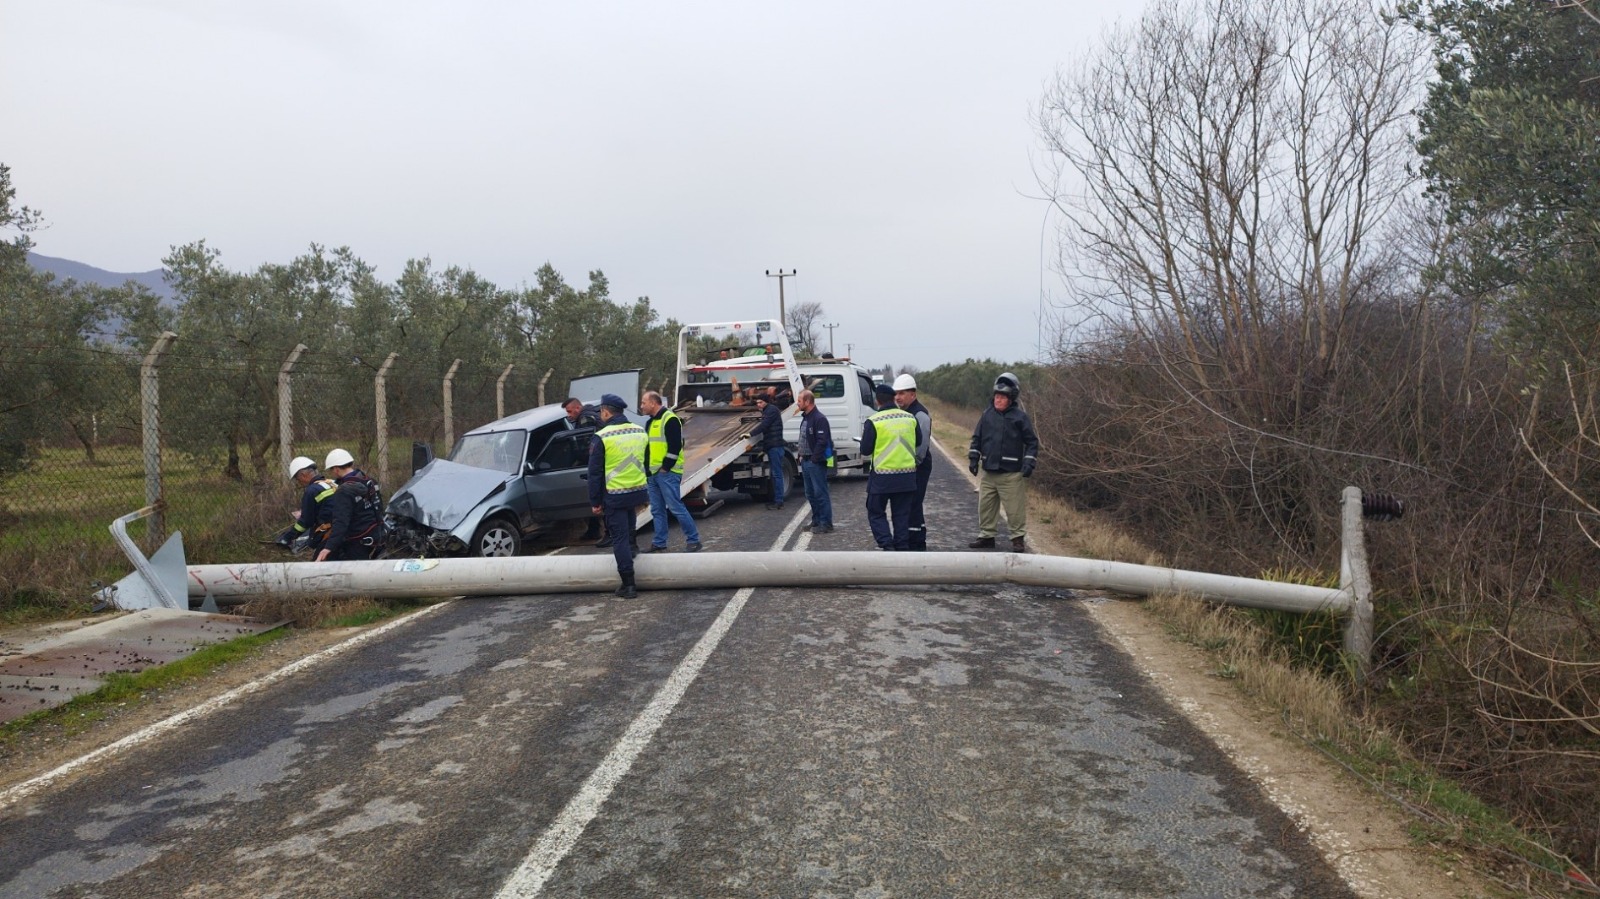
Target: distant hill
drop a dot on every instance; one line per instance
(153, 281)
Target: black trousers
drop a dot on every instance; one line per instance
(619, 524)
(891, 531)
(917, 524)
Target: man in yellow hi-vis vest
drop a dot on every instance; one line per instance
(617, 457)
(664, 468)
(889, 442)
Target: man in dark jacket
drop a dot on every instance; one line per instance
(770, 433)
(905, 396)
(816, 460)
(580, 416)
(617, 481)
(313, 519)
(1006, 447)
(357, 512)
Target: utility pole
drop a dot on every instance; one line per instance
(849, 348)
(830, 336)
(783, 318)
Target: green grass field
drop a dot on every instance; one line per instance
(55, 538)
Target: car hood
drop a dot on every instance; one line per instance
(442, 493)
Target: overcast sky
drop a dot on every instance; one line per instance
(883, 150)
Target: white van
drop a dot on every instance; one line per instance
(727, 381)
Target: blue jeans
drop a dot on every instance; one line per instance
(664, 488)
(815, 478)
(775, 462)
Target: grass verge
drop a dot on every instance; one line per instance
(85, 709)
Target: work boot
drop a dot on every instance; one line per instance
(652, 548)
(982, 543)
(627, 590)
(1019, 545)
(774, 505)
(692, 547)
(605, 542)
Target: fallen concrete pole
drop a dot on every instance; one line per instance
(414, 578)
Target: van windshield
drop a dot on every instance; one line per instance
(500, 451)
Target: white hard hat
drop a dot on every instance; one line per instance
(339, 457)
(299, 464)
(905, 382)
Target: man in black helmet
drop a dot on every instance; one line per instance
(1005, 446)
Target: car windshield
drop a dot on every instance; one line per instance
(500, 451)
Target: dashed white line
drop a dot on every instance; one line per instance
(563, 833)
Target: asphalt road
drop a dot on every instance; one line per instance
(914, 742)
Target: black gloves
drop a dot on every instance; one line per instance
(1027, 468)
(972, 464)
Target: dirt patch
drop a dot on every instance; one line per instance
(1363, 836)
(47, 746)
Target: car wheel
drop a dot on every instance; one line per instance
(496, 539)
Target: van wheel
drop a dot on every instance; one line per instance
(497, 538)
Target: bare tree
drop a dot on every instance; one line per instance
(1225, 167)
(805, 327)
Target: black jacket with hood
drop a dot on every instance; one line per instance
(1005, 441)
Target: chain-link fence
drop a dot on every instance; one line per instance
(204, 434)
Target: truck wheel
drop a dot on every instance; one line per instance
(497, 538)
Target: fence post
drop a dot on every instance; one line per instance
(1355, 578)
(449, 406)
(381, 402)
(150, 407)
(286, 406)
(500, 392)
(546, 377)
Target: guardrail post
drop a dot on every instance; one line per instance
(500, 392)
(381, 403)
(286, 407)
(449, 406)
(150, 409)
(1357, 580)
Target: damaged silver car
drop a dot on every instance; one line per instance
(503, 483)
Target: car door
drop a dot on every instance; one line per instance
(558, 478)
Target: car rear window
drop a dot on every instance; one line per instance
(826, 387)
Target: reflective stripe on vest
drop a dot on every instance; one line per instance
(658, 443)
(895, 449)
(626, 446)
(329, 489)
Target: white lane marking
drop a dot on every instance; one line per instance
(28, 787)
(530, 877)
